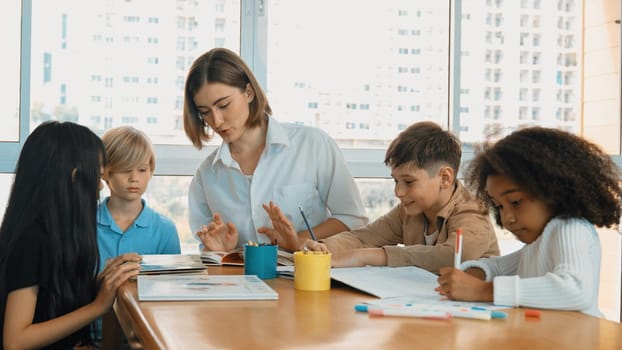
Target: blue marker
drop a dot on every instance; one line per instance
(307, 223)
(361, 308)
(493, 314)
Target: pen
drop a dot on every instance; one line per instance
(458, 251)
(407, 312)
(307, 223)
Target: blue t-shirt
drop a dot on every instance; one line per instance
(151, 233)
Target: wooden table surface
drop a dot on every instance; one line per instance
(327, 320)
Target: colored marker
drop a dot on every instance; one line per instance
(410, 312)
(459, 311)
(530, 313)
(493, 313)
(458, 251)
(475, 312)
(361, 307)
(307, 223)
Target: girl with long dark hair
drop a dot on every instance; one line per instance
(49, 288)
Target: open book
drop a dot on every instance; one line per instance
(236, 257)
(204, 287)
(170, 263)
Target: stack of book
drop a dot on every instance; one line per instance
(171, 263)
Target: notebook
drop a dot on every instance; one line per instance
(170, 263)
(203, 287)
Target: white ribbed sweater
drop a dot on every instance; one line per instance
(559, 270)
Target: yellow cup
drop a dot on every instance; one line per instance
(312, 271)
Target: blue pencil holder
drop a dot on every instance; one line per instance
(260, 260)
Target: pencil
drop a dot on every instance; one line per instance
(307, 223)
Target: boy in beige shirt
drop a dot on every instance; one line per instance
(421, 229)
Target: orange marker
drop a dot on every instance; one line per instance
(530, 313)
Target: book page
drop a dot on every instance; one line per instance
(285, 258)
(170, 263)
(236, 257)
(386, 281)
(212, 257)
(233, 257)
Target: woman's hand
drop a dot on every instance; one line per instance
(219, 236)
(117, 271)
(282, 231)
(459, 285)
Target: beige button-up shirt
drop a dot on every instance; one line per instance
(462, 211)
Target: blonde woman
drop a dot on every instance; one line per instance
(259, 161)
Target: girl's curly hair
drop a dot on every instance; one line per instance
(574, 176)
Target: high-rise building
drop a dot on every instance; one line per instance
(520, 66)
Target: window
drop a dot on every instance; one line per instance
(289, 38)
(147, 72)
(294, 40)
(524, 19)
(219, 25)
(498, 56)
(522, 94)
(522, 113)
(523, 38)
(523, 75)
(535, 76)
(536, 40)
(524, 57)
(535, 95)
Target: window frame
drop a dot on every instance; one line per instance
(183, 160)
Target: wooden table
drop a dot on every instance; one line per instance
(327, 320)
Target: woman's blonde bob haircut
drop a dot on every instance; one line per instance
(223, 66)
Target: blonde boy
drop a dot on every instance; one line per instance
(124, 221)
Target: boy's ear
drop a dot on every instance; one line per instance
(447, 177)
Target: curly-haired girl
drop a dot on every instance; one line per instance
(549, 188)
